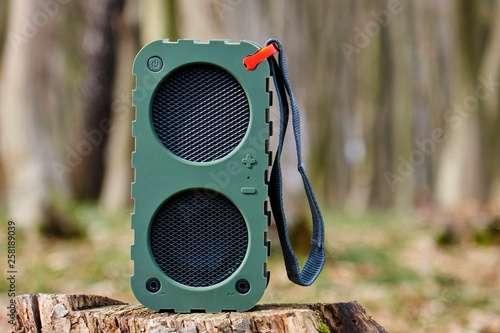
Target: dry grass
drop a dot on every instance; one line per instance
(389, 263)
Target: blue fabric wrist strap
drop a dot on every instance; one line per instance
(316, 259)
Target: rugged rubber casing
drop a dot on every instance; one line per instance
(172, 259)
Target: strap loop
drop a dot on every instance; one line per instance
(316, 259)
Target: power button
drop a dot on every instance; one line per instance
(155, 64)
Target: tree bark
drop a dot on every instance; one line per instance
(46, 313)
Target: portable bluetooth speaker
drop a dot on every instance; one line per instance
(201, 162)
(201, 176)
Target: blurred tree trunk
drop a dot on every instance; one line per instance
(157, 20)
(118, 174)
(199, 20)
(100, 55)
(26, 151)
(3, 27)
(490, 116)
(21, 159)
(422, 44)
(4, 11)
(459, 173)
(329, 101)
(381, 195)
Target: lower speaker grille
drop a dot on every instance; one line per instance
(199, 238)
(200, 113)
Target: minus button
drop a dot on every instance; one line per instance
(248, 190)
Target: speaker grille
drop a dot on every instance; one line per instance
(200, 113)
(199, 238)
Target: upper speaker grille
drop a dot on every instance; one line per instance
(200, 113)
(199, 238)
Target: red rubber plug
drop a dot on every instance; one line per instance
(253, 60)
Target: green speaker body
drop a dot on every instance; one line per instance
(200, 189)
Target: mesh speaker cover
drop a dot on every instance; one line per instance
(198, 238)
(200, 113)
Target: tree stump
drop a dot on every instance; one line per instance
(44, 313)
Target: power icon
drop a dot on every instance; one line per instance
(155, 64)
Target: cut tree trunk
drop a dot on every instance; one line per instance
(44, 313)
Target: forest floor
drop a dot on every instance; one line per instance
(389, 262)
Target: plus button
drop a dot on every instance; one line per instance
(248, 161)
